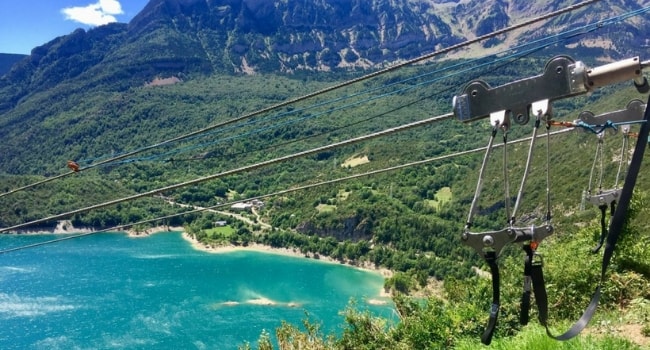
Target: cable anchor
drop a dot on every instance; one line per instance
(632, 113)
(562, 78)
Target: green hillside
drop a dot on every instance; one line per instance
(408, 220)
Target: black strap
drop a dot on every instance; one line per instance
(491, 259)
(603, 227)
(615, 228)
(539, 288)
(603, 224)
(524, 315)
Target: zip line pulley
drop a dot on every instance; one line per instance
(607, 198)
(519, 101)
(562, 78)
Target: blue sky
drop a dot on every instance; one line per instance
(25, 24)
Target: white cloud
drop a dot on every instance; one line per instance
(99, 13)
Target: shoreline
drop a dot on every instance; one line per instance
(66, 227)
(291, 252)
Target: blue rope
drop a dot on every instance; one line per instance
(599, 128)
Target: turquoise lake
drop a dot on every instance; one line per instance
(109, 291)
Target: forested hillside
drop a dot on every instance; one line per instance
(7, 61)
(168, 99)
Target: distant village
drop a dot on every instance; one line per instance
(248, 206)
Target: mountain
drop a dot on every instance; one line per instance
(175, 37)
(7, 60)
(181, 65)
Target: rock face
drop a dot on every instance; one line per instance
(353, 228)
(281, 35)
(258, 35)
(186, 37)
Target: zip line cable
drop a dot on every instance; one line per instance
(290, 190)
(385, 132)
(306, 137)
(518, 57)
(327, 89)
(310, 136)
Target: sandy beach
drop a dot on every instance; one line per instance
(144, 233)
(292, 252)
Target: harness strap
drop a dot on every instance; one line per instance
(603, 228)
(524, 315)
(615, 229)
(603, 224)
(491, 259)
(541, 298)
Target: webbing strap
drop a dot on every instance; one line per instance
(615, 228)
(603, 224)
(539, 288)
(491, 259)
(524, 315)
(603, 228)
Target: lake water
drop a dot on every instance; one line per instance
(109, 291)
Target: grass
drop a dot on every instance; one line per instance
(533, 337)
(325, 208)
(343, 194)
(442, 196)
(225, 231)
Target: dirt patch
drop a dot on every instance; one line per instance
(355, 161)
(325, 208)
(163, 81)
(633, 332)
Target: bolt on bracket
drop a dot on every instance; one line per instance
(562, 78)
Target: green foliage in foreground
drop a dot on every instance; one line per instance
(456, 319)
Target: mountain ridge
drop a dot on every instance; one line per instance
(248, 36)
(180, 40)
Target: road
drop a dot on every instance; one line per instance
(239, 217)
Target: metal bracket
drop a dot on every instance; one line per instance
(604, 197)
(633, 112)
(495, 241)
(532, 233)
(484, 242)
(562, 78)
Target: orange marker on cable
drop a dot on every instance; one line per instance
(73, 166)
